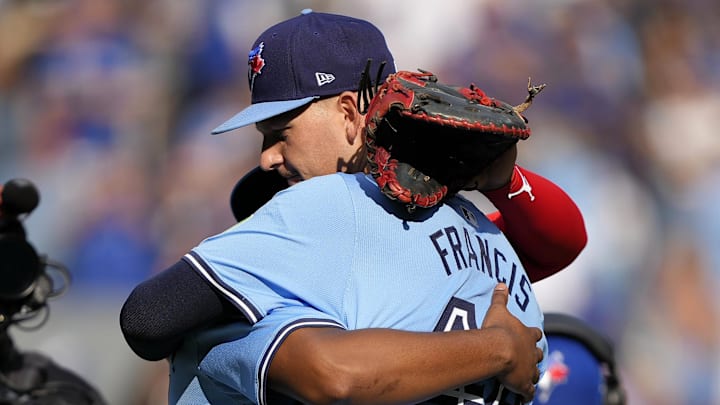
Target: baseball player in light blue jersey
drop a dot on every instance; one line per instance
(437, 271)
(331, 292)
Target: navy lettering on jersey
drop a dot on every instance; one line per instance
(472, 256)
(457, 315)
(525, 290)
(456, 246)
(441, 251)
(499, 257)
(477, 253)
(511, 283)
(484, 255)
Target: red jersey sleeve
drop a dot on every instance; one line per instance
(541, 221)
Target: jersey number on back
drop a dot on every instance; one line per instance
(460, 315)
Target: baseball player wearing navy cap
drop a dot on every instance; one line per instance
(313, 55)
(330, 291)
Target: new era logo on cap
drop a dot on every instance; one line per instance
(307, 57)
(324, 78)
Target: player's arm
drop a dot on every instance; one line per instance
(329, 365)
(162, 310)
(540, 220)
(543, 224)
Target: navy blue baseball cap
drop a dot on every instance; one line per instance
(574, 374)
(305, 58)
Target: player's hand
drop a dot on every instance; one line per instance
(523, 355)
(497, 174)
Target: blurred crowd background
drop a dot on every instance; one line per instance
(107, 106)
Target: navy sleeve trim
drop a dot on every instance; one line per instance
(250, 312)
(275, 344)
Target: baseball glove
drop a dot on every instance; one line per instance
(426, 140)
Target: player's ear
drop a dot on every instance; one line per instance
(353, 120)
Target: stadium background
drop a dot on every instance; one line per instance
(107, 107)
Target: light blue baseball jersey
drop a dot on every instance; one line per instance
(334, 251)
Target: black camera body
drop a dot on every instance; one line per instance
(26, 284)
(20, 266)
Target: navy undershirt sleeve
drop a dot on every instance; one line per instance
(162, 310)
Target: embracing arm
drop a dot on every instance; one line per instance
(325, 365)
(163, 309)
(328, 365)
(542, 222)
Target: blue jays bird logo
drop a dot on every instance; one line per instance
(556, 374)
(255, 63)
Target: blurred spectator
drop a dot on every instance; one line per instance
(113, 245)
(674, 317)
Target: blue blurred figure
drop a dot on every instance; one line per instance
(581, 365)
